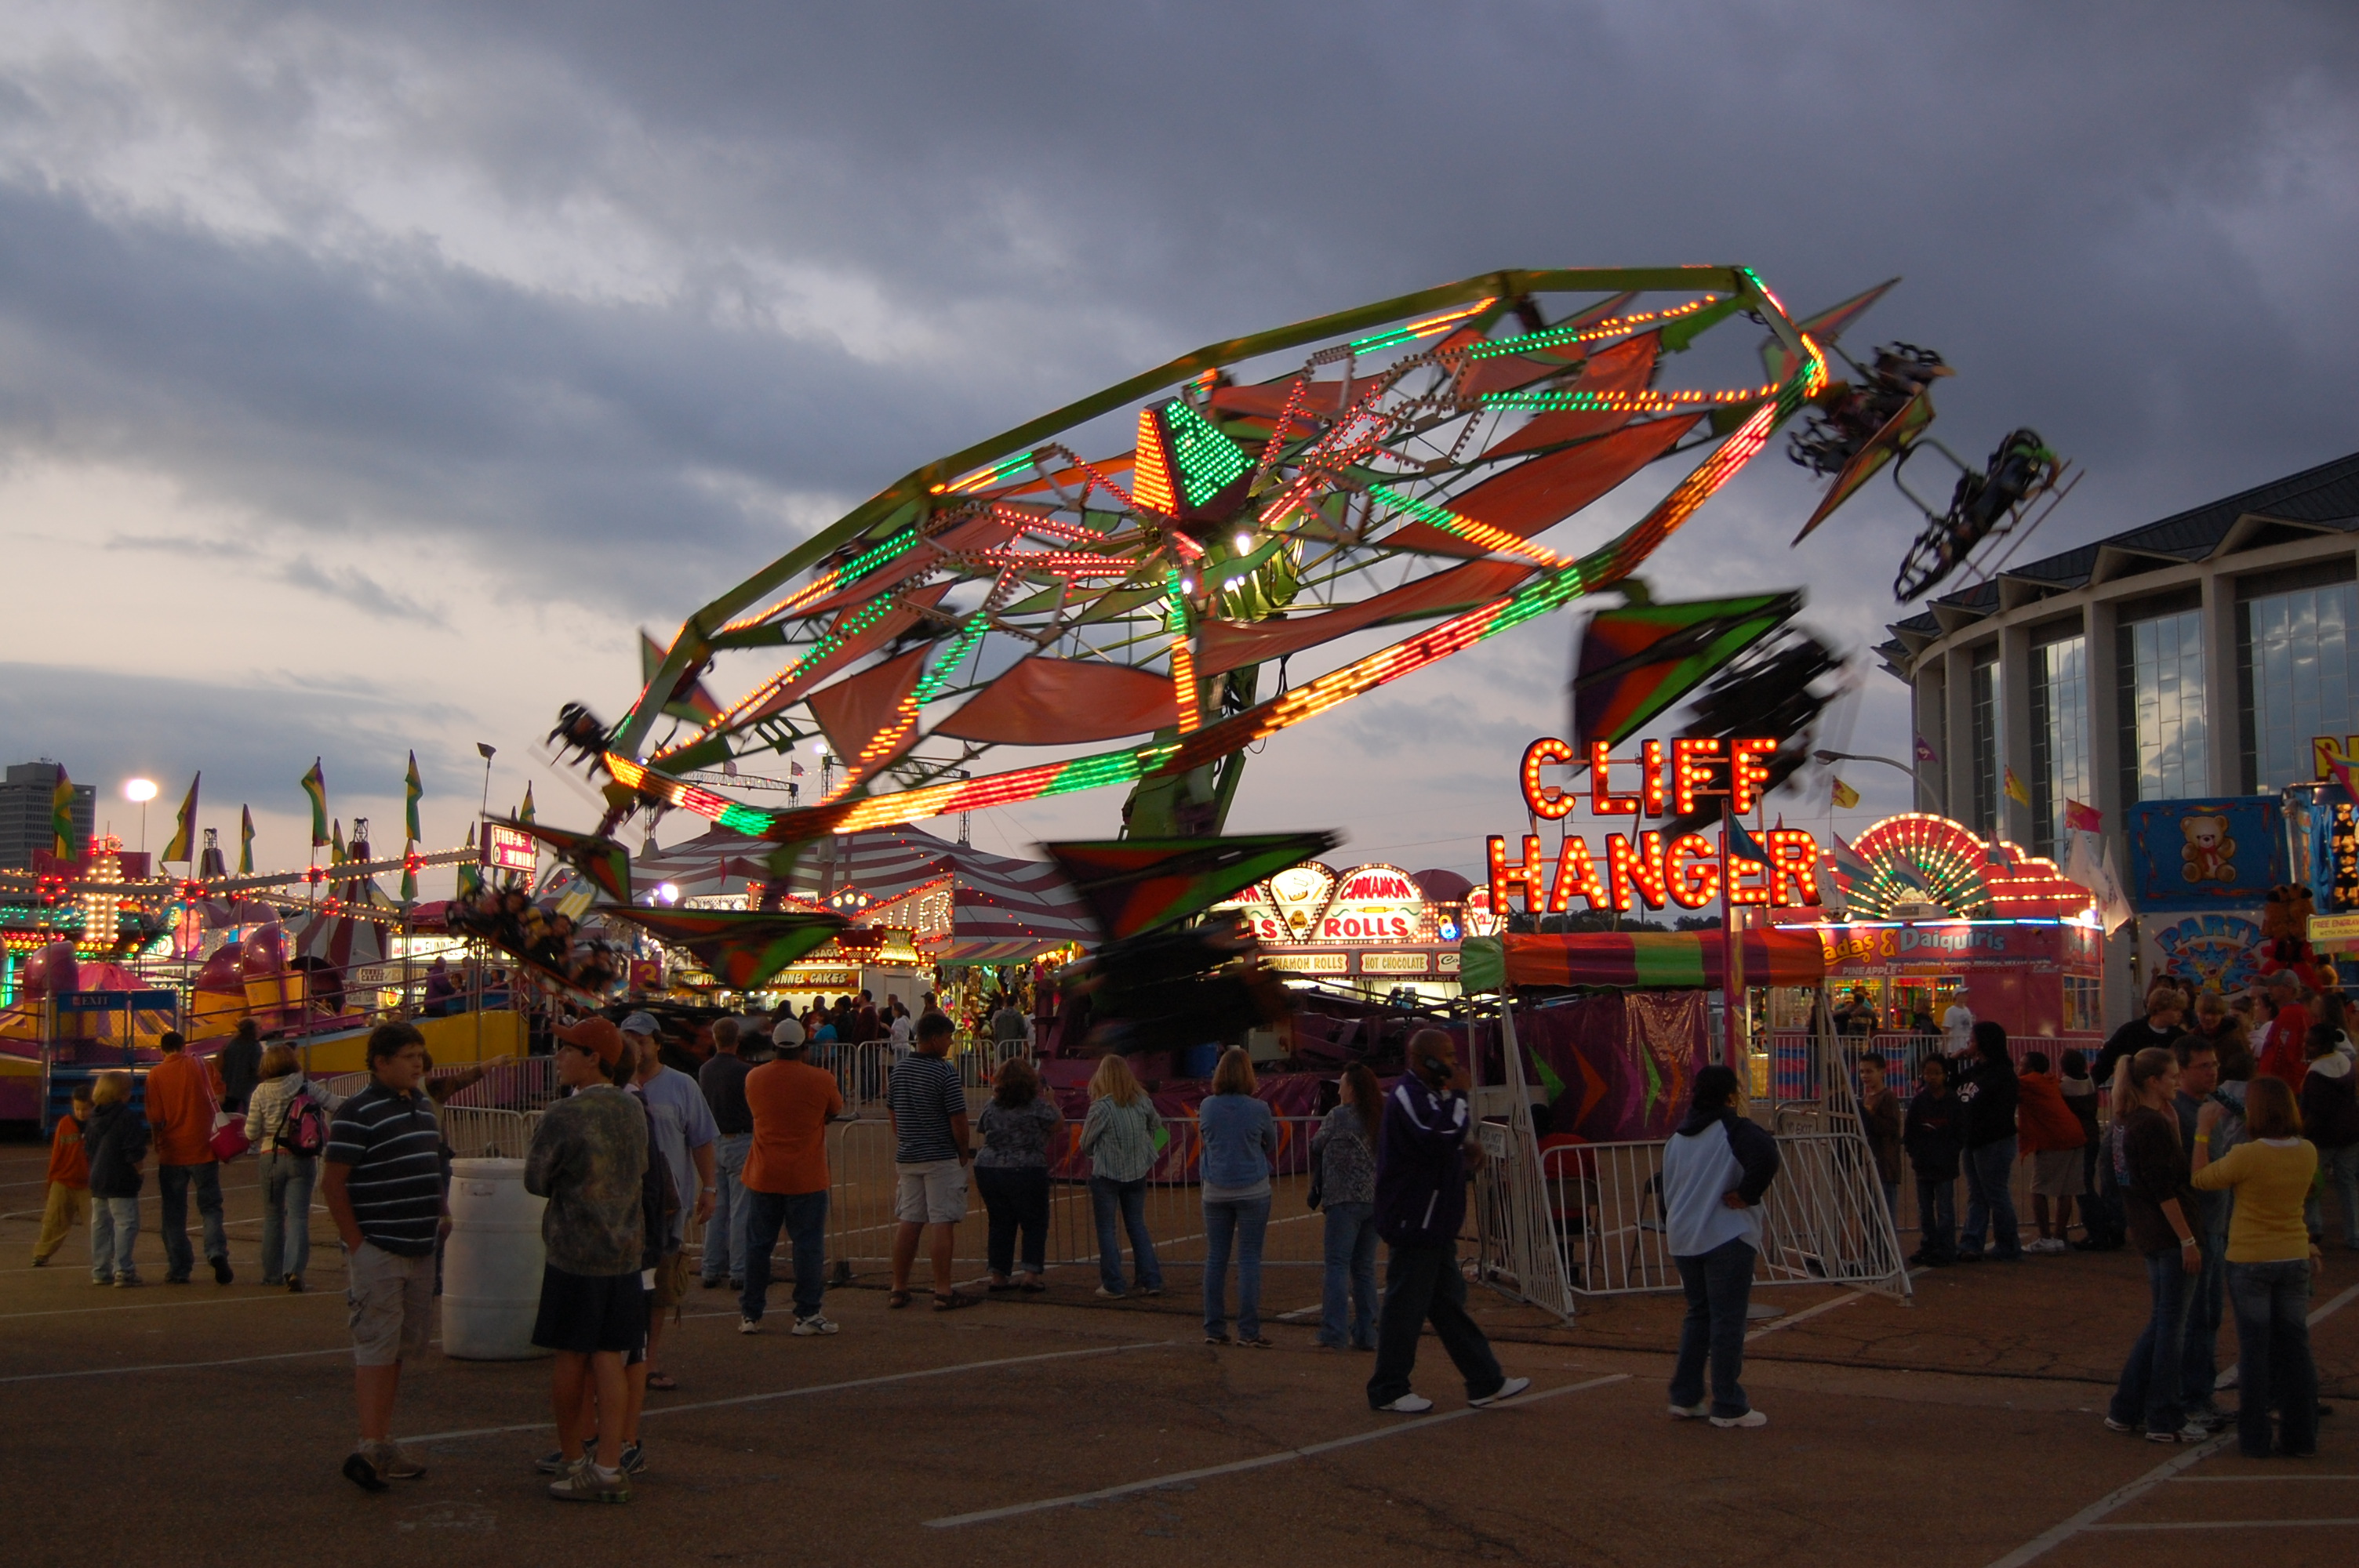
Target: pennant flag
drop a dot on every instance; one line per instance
(412, 791)
(1743, 846)
(606, 863)
(2085, 865)
(410, 862)
(1134, 885)
(2015, 790)
(315, 785)
(1849, 868)
(61, 823)
(1640, 659)
(2079, 818)
(336, 842)
(688, 700)
(524, 812)
(1845, 796)
(1924, 751)
(740, 947)
(470, 881)
(184, 846)
(796, 769)
(245, 840)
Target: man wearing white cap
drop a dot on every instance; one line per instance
(786, 1179)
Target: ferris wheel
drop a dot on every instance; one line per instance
(1133, 588)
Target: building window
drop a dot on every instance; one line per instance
(2162, 708)
(1986, 726)
(2061, 767)
(2294, 659)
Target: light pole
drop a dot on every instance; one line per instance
(143, 791)
(1932, 787)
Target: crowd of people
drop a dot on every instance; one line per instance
(2232, 1120)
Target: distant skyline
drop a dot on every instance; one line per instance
(369, 377)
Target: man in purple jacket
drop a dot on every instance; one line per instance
(1422, 1164)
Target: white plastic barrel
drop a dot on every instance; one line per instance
(491, 1266)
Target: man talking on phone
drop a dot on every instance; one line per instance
(1423, 1163)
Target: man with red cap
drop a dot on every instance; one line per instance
(589, 1158)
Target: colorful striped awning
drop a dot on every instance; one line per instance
(990, 950)
(1651, 960)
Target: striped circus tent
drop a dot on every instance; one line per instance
(1003, 909)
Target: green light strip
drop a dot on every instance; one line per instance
(1208, 460)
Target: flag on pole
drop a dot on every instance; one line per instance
(315, 785)
(524, 812)
(336, 843)
(1845, 796)
(245, 840)
(2085, 865)
(1849, 868)
(796, 769)
(2080, 819)
(1743, 846)
(1925, 751)
(409, 854)
(2015, 790)
(412, 789)
(61, 823)
(184, 846)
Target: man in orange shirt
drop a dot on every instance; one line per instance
(182, 1093)
(69, 1180)
(786, 1179)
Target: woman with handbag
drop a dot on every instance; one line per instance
(1343, 1187)
(286, 1123)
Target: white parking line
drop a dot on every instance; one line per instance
(167, 1300)
(2224, 1524)
(1283, 1456)
(810, 1390)
(175, 1366)
(2122, 1497)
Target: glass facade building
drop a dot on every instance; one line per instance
(2294, 659)
(2164, 738)
(1988, 727)
(2062, 760)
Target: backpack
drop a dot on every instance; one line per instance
(303, 1128)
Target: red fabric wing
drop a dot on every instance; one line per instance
(853, 711)
(854, 648)
(1625, 367)
(1053, 702)
(1225, 645)
(1539, 492)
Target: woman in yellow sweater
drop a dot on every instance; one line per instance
(2270, 1261)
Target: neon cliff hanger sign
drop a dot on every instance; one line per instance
(1640, 868)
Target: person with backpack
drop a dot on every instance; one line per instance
(286, 1120)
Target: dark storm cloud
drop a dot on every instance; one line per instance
(874, 233)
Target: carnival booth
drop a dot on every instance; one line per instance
(1376, 930)
(1578, 1096)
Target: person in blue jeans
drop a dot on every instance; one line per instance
(1343, 1153)
(1990, 1093)
(1716, 1170)
(1123, 1136)
(789, 1103)
(2272, 1261)
(1238, 1138)
(722, 1080)
(2155, 1201)
(114, 1142)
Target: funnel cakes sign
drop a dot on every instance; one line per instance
(1315, 904)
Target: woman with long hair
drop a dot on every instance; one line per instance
(1122, 1137)
(2270, 1260)
(2155, 1194)
(1019, 1127)
(1343, 1153)
(1239, 1138)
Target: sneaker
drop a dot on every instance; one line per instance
(1216, 1339)
(815, 1323)
(1504, 1391)
(1257, 1343)
(2226, 1379)
(2120, 1426)
(749, 1325)
(557, 1463)
(2210, 1419)
(1408, 1404)
(1750, 1417)
(634, 1459)
(1149, 1291)
(222, 1273)
(2194, 1432)
(362, 1474)
(40, 1263)
(393, 1462)
(128, 1282)
(102, 1279)
(715, 1283)
(1695, 1412)
(586, 1483)
(294, 1284)
(1109, 1295)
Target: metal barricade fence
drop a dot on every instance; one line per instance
(862, 1185)
(479, 1133)
(526, 1084)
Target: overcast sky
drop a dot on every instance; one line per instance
(369, 373)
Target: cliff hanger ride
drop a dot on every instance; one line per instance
(1131, 614)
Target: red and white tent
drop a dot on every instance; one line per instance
(1002, 909)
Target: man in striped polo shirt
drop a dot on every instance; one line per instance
(383, 1184)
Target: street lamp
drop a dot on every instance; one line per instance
(1932, 786)
(143, 791)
